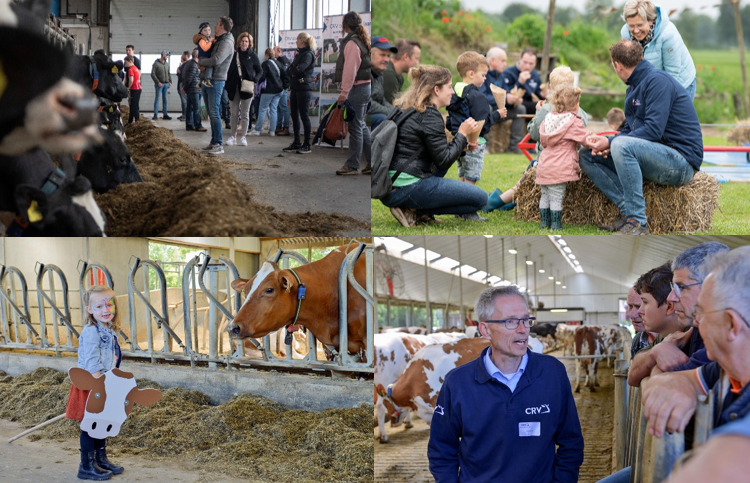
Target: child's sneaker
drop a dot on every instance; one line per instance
(232, 141)
(207, 83)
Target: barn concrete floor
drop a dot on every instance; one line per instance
(29, 461)
(289, 182)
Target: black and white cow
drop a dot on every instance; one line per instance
(99, 74)
(108, 164)
(46, 201)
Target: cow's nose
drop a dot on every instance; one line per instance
(234, 330)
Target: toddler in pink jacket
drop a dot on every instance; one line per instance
(561, 133)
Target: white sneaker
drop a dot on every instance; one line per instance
(218, 149)
(253, 132)
(271, 133)
(243, 141)
(232, 141)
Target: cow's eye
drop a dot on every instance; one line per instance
(269, 290)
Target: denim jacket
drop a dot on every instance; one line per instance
(98, 349)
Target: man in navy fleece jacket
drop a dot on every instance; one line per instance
(499, 417)
(661, 139)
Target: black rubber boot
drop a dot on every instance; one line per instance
(556, 220)
(89, 470)
(545, 217)
(103, 462)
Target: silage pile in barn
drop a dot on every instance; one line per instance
(249, 436)
(670, 209)
(187, 193)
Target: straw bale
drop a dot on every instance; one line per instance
(249, 436)
(741, 133)
(670, 209)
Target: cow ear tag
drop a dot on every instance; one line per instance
(114, 70)
(33, 212)
(111, 109)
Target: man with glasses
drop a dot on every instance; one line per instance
(501, 416)
(721, 314)
(680, 350)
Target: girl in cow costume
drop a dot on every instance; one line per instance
(99, 358)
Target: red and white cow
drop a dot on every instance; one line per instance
(564, 333)
(408, 330)
(417, 389)
(271, 302)
(110, 400)
(597, 341)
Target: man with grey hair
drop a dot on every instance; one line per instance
(722, 314)
(498, 60)
(680, 351)
(508, 400)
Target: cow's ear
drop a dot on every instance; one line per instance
(145, 397)
(81, 378)
(286, 282)
(31, 203)
(81, 185)
(239, 284)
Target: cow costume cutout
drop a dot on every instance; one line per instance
(110, 401)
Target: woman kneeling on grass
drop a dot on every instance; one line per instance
(418, 195)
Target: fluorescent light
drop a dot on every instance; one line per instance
(512, 251)
(572, 257)
(564, 286)
(529, 262)
(558, 311)
(561, 242)
(567, 250)
(551, 277)
(541, 270)
(558, 282)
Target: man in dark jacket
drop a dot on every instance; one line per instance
(381, 54)
(407, 57)
(501, 416)
(523, 76)
(191, 87)
(498, 60)
(661, 141)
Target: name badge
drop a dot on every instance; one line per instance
(529, 429)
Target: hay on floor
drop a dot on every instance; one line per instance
(249, 436)
(669, 209)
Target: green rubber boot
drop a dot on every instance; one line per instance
(545, 217)
(556, 220)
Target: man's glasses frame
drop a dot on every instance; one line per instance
(512, 324)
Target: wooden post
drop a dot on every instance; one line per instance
(548, 40)
(741, 44)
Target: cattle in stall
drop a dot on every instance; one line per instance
(544, 329)
(108, 164)
(99, 74)
(38, 108)
(418, 387)
(45, 200)
(564, 333)
(421, 330)
(110, 117)
(596, 341)
(271, 302)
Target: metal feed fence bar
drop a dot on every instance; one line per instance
(51, 298)
(9, 303)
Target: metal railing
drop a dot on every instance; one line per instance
(199, 310)
(9, 305)
(58, 315)
(651, 459)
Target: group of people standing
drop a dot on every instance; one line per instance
(231, 78)
(662, 144)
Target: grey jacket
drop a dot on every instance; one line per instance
(160, 72)
(221, 56)
(378, 104)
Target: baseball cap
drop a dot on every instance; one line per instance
(383, 44)
(164, 52)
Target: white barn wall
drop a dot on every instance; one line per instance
(603, 298)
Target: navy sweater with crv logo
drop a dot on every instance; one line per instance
(482, 432)
(658, 109)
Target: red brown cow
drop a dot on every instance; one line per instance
(271, 302)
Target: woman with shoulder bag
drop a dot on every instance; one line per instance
(301, 80)
(244, 69)
(270, 94)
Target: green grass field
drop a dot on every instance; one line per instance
(504, 170)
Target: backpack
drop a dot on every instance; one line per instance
(336, 129)
(383, 145)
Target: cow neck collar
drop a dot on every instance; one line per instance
(94, 72)
(301, 289)
(53, 182)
